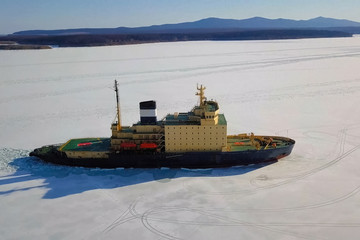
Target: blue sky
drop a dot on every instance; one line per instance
(16, 15)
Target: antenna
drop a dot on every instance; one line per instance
(117, 106)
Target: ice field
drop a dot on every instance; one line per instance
(308, 90)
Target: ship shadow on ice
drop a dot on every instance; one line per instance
(61, 181)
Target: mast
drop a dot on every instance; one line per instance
(201, 94)
(117, 106)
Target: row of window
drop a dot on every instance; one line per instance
(190, 149)
(174, 127)
(179, 139)
(195, 133)
(192, 144)
(147, 136)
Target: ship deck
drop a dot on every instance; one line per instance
(87, 144)
(243, 144)
(103, 144)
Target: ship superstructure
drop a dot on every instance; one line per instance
(201, 129)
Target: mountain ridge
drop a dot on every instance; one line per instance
(208, 24)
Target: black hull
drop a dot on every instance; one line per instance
(173, 160)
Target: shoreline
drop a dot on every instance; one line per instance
(83, 40)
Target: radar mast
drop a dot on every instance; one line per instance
(117, 106)
(201, 94)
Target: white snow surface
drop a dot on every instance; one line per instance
(306, 89)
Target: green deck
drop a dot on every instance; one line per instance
(87, 144)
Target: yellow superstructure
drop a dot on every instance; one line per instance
(184, 138)
(201, 129)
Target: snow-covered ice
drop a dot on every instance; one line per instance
(306, 89)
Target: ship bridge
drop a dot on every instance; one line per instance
(201, 129)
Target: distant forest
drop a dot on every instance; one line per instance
(83, 40)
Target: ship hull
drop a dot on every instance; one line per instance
(168, 160)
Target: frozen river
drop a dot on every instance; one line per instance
(306, 89)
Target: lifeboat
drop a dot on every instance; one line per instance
(84, 144)
(148, 146)
(127, 145)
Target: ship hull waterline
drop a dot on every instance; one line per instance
(169, 160)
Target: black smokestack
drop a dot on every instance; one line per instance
(148, 113)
